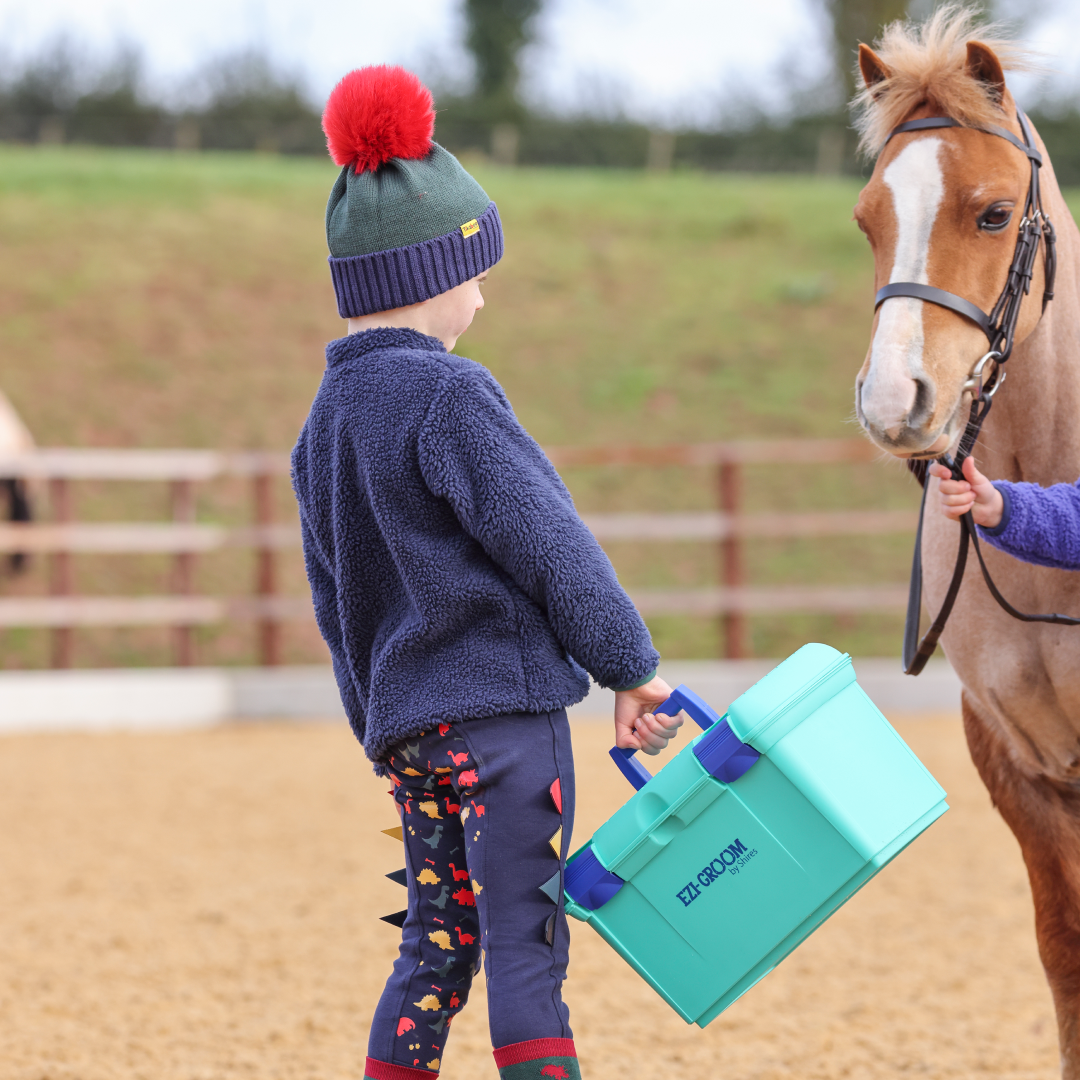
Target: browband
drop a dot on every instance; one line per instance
(990, 129)
(939, 297)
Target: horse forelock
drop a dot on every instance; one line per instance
(927, 66)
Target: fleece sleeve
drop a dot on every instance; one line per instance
(1039, 525)
(324, 597)
(509, 498)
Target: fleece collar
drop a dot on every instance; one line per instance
(382, 337)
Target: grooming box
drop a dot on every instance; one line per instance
(753, 835)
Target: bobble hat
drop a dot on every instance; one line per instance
(405, 221)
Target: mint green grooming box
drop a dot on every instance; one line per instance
(753, 835)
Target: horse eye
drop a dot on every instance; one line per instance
(996, 218)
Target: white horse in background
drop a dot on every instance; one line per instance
(15, 438)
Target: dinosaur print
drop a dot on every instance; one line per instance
(451, 942)
(556, 1071)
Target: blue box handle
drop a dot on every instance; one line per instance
(682, 699)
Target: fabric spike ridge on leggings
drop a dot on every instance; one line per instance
(538, 1059)
(484, 883)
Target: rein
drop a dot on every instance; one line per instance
(999, 325)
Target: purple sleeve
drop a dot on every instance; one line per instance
(1039, 525)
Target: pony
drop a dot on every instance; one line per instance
(15, 438)
(943, 208)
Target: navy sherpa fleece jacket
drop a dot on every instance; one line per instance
(451, 575)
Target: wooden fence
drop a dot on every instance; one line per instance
(61, 538)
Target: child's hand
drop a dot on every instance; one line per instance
(975, 493)
(638, 728)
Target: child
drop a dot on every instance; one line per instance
(1033, 523)
(459, 593)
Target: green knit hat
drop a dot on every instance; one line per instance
(405, 221)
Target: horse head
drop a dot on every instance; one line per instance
(943, 208)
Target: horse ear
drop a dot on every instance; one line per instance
(873, 68)
(984, 66)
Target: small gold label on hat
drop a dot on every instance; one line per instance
(470, 227)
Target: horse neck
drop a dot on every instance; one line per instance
(1032, 432)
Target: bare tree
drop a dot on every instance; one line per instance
(855, 21)
(496, 32)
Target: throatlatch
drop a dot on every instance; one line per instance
(1000, 329)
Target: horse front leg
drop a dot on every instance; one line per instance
(1044, 815)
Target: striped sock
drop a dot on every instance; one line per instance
(538, 1059)
(380, 1070)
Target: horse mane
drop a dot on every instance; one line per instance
(928, 66)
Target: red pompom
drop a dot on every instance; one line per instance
(378, 113)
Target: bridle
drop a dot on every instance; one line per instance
(1000, 329)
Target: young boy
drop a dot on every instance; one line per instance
(459, 593)
(1036, 524)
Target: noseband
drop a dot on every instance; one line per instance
(1000, 329)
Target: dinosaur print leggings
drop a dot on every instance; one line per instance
(484, 805)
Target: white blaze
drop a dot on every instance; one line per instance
(917, 187)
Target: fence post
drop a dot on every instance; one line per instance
(265, 577)
(732, 565)
(183, 510)
(60, 577)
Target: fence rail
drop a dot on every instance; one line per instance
(184, 539)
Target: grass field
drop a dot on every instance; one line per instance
(159, 299)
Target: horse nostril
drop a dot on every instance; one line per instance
(923, 404)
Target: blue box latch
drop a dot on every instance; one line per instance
(587, 882)
(722, 754)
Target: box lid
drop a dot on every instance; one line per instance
(790, 692)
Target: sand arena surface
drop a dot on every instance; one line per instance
(203, 906)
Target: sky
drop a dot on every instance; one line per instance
(671, 62)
